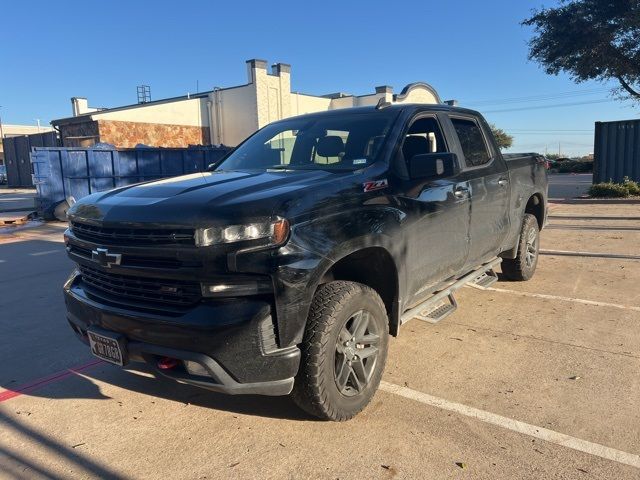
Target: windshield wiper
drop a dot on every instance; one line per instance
(291, 167)
(309, 167)
(280, 167)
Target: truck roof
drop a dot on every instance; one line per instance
(397, 107)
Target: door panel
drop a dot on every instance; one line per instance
(489, 212)
(438, 212)
(438, 235)
(488, 179)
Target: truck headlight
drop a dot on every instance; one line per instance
(273, 233)
(237, 288)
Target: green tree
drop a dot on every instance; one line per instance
(503, 139)
(590, 40)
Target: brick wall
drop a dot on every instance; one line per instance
(129, 134)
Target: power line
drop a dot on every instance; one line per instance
(549, 133)
(578, 144)
(541, 107)
(537, 98)
(548, 130)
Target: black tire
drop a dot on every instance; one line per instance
(524, 265)
(338, 307)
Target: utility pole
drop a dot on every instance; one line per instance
(1, 132)
(38, 122)
(559, 150)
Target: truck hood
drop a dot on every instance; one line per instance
(198, 198)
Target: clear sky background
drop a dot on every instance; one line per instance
(468, 50)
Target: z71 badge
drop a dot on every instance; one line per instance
(375, 185)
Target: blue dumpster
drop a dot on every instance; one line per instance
(63, 172)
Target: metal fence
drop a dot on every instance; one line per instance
(60, 173)
(617, 151)
(16, 155)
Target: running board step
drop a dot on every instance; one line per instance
(485, 279)
(442, 303)
(440, 311)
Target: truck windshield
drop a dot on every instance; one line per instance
(349, 141)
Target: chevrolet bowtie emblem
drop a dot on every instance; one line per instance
(104, 258)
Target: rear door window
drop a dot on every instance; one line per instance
(472, 141)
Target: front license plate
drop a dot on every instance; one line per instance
(107, 346)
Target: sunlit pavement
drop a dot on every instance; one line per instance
(528, 380)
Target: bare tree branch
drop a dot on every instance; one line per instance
(628, 87)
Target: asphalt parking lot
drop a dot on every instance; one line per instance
(525, 380)
(568, 185)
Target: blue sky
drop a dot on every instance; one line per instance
(472, 51)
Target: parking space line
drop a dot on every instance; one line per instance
(41, 382)
(541, 433)
(613, 228)
(558, 297)
(47, 252)
(593, 217)
(571, 253)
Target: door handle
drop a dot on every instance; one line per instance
(503, 182)
(461, 192)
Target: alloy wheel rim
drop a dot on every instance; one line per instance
(356, 353)
(531, 248)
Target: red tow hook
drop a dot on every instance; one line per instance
(167, 363)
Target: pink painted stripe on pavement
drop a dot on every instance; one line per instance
(41, 382)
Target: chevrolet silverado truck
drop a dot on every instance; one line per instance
(285, 268)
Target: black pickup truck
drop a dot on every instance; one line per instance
(285, 267)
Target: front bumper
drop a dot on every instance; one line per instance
(232, 340)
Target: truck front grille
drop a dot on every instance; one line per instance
(132, 236)
(141, 261)
(125, 289)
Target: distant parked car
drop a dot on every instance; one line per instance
(3, 174)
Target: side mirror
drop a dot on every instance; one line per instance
(433, 165)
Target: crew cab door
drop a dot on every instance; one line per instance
(436, 229)
(486, 173)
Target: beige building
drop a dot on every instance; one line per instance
(221, 116)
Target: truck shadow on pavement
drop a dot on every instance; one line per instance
(18, 465)
(17, 461)
(158, 386)
(82, 385)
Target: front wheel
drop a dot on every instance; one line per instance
(524, 265)
(343, 351)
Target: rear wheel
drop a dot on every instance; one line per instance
(524, 265)
(343, 352)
